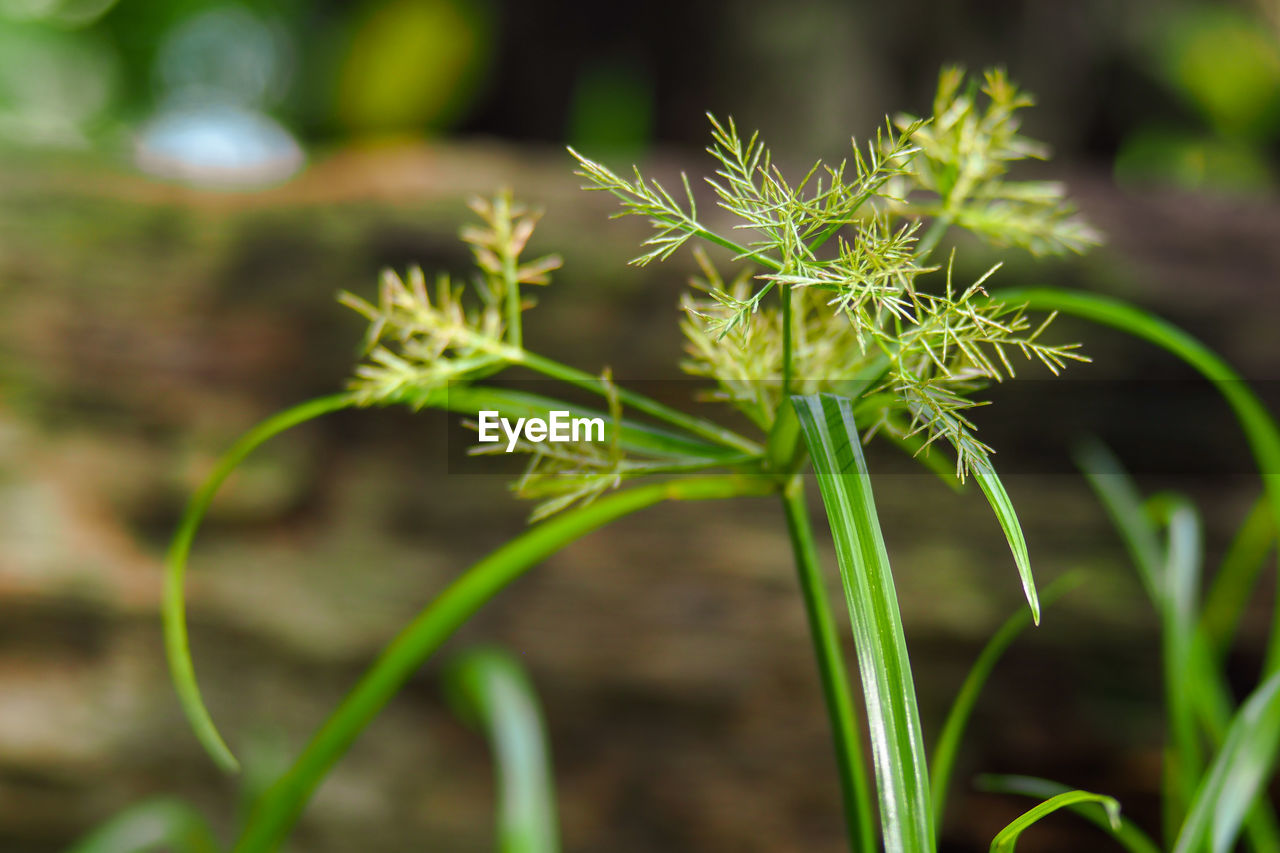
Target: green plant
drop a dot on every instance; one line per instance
(1202, 797)
(1218, 754)
(841, 329)
(1218, 757)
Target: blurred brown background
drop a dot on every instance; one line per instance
(185, 186)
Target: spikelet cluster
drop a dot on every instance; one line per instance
(847, 251)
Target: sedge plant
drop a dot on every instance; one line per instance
(842, 323)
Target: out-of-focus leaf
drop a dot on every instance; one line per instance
(490, 689)
(1233, 585)
(151, 826)
(1237, 774)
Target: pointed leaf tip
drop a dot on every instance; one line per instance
(991, 486)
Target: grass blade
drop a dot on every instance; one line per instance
(278, 809)
(944, 753)
(1259, 427)
(1170, 572)
(1192, 676)
(1007, 839)
(1233, 585)
(174, 611)
(1123, 503)
(158, 824)
(1237, 775)
(1003, 507)
(1179, 628)
(1127, 833)
(906, 818)
(491, 690)
(638, 437)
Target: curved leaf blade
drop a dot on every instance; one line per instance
(277, 810)
(1126, 832)
(1259, 427)
(174, 608)
(1007, 839)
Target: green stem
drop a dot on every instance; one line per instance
(855, 792)
(503, 351)
(177, 647)
(740, 250)
(278, 810)
(502, 226)
(697, 230)
(1259, 428)
(639, 402)
(784, 292)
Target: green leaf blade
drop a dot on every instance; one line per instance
(1126, 832)
(276, 812)
(1259, 427)
(162, 823)
(174, 607)
(489, 688)
(1007, 839)
(1237, 775)
(1196, 689)
(1237, 575)
(906, 816)
(991, 486)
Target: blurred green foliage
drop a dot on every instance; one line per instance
(76, 73)
(413, 65)
(1227, 65)
(1224, 65)
(612, 110)
(1191, 161)
(55, 82)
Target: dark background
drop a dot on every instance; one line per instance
(154, 307)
